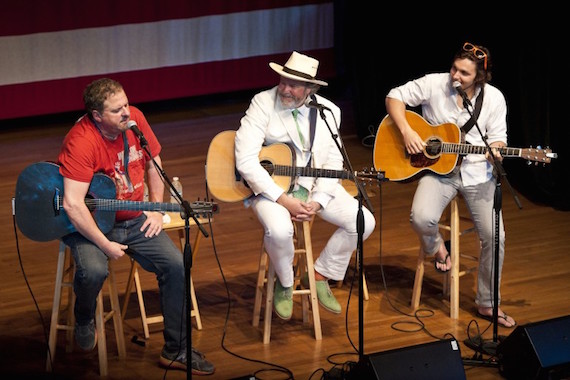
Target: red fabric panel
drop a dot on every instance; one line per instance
(21, 17)
(32, 99)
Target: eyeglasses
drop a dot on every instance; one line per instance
(478, 53)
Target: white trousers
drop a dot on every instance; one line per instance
(334, 259)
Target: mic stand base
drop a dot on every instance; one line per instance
(491, 363)
(360, 370)
(479, 344)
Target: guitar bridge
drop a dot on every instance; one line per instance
(57, 206)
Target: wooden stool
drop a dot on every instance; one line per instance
(451, 280)
(176, 224)
(101, 317)
(303, 264)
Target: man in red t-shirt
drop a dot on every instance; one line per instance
(101, 142)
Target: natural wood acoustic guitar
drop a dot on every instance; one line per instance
(442, 154)
(227, 185)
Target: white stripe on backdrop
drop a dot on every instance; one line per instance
(96, 51)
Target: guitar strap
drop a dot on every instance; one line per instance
(126, 161)
(471, 122)
(468, 125)
(312, 126)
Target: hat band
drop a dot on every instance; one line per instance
(297, 73)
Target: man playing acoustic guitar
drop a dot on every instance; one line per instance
(102, 141)
(281, 115)
(443, 98)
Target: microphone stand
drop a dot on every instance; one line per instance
(186, 212)
(477, 343)
(361, 368)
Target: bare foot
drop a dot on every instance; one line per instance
(503, 319)
(442, 259)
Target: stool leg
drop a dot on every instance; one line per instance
(195, 312)
(301, 269)
(454, 272)
(70, 321)
(101, 338)
(115, 313)
(259, 287)
(52, 341)
(268, 304)
(417, 291)
(142, 307)
(312, 285)
(364, 287)
(129, 289)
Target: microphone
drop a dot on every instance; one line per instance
(312, 104)
(460, 91)
(132, 125)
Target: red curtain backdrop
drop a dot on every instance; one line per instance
(158, 50)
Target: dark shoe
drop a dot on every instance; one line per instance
(86, 336)
(324, 294)
(283, 301)
(200, 366)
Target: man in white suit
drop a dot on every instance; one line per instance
(280, 115)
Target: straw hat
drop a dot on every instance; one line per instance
(299, 67)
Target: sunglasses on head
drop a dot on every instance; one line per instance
(478, 53)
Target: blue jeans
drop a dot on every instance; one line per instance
(157, 254)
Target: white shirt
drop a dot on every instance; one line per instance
(437, 98)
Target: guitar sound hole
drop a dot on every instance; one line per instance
(267, 165)
(433, 147)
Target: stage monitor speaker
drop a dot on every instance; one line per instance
(539, 350)
(435, 360)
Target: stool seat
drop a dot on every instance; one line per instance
(66, 268)
(451, 279)
(303, 263)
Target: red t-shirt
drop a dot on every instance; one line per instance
(85, 152)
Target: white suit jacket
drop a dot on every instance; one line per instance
(267, 122)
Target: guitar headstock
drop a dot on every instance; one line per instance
(538, 155)
(204, 208)
(371, 175)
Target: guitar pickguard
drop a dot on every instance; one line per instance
(422, 161)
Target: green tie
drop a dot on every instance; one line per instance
(295, 113)
(301, 193)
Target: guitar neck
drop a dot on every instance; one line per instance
(198, 207)
(117, 205)
(291, 171)
(465, 149)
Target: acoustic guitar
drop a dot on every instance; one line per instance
(39, 203)
(226, 184)
(442, 153)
